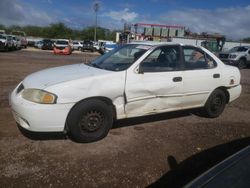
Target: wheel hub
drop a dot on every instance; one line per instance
(216, 104)
(91, 121)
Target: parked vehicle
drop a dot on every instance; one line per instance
(11, 42)
(133, 80)
(107, 48)
(99, 45)
(238, 56)
(77, 45)
(3, 42)
(47, 44)
(62, 46)
(6, 42)
(88, 46)
(22, 36)
(2, 32)
(232, 172)
(38, 44)
(16, 42)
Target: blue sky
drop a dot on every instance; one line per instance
(228, 17)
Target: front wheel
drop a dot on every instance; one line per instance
(215, 104)
(90, 121)
(242, 64)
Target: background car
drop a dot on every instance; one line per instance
(88, 46)
(47, 44)
(22, 37)
(62, 46)
(232, 172)
(17, 42)
(77, 45)
(238, 56)
(107, 48)
(4, 45)
(38, 44)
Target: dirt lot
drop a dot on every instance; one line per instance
(166, 150)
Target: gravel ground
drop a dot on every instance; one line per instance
(166, 150)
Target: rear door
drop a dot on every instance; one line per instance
(200, 77)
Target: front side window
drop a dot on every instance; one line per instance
(195, 58)
(121, 57)
(166, 58)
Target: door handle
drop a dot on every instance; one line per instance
(216, 75)
(177, 79)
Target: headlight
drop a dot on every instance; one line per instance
(39, 96)
(233, 56)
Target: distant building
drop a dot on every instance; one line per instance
(157, 31)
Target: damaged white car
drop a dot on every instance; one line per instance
(136, 79)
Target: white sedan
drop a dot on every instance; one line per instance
(136, 79)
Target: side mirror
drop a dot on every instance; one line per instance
(140, 69)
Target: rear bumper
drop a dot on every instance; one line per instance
(234, 92)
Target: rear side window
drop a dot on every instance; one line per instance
(195, 58)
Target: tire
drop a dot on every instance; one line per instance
(215, 104)
(242, 64)
(89, 121)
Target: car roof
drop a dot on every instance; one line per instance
(154, 43)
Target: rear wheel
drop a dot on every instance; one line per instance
(242, 64)
(215, 104)
(89, 121)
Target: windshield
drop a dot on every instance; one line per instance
(120, 58)
(238, 49)
(64, 42)
(2, 37)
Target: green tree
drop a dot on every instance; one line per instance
(246, 39)
(60, 30)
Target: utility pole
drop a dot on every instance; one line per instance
(96, 8)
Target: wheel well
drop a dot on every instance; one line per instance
(103, 99)
(224, 89)
(244, 58)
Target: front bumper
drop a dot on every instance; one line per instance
(39, 117)
(64, 51)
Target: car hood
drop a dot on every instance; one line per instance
(52, 76)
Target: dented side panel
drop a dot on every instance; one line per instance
(152, 92)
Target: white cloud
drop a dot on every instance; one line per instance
(13, 12)
(123, 15)
(233, 22)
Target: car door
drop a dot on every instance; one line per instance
(200, 78)
(156, 84)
